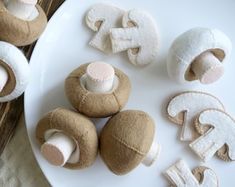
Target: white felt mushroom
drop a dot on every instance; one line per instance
(24, 9)
(14, 72)
(139, 37)
(180, 175)
(198, 55)
(101, 18)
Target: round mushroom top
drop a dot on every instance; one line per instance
(96, 104)
(189, 45)
(20, 32)
(76, 126)
(126, 139)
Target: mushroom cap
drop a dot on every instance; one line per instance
(189, 45)
(126, 139)
(75, 125)
(96, 104)
(14, 61)
(18, 31)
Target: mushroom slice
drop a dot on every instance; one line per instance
(128, 140)
(184, 108)
(14, 72)
(180, 175)
(139, 37)
(101, 18)
(220, 137)
(198, 54)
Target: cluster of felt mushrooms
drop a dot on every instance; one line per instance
(21, 23)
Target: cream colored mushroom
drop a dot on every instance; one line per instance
(139, 37)
(180, 175)
(101, 18)
(184, 108)
(198, 54)
(128, 140)
(14, 72)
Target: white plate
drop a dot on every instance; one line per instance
(63, 47)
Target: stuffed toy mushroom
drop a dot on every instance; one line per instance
(97, 89)
(128, 140)
(67, 139)
(21, 21)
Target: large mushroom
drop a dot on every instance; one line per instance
(97, 89)
(21, 21)
(128, 140)
(14, 72)
(67, 139)
(198, 54)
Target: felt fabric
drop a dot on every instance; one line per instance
(189, 45)
(20, 32)
(75, 125)
(125, 140)
(96, 104)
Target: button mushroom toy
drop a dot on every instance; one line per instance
(97, 89)
(21, 21)
(14, 72)
(128, 140)
(198, 54)
(67, 139)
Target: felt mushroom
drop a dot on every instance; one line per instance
(139, 37)
(128, 140)
(97, 89)
(198, 54)
(67, 139)
(14, 72)
(21, 21)
(101, 18)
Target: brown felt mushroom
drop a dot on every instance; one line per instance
(21, 21)
(67, 139)
(97, 89)
(127, 140)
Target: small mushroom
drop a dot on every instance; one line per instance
(139, 37)
(101, 18)
(21, 21)
(97, 89)
(14, 72)
(67, 139)
(128, 140)
(198, 54)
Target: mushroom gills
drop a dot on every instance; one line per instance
(3, 77)
(58, 149)
(23, 9)
(207, 68)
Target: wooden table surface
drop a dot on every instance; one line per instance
(10, 112)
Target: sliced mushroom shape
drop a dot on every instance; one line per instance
(139, 37)
(21, 22)
(97, 89)
(198, 54)
(101, 18)
(127, 140)
(184, 108)
(180, 175)
(67, 139)
(14, 72)
(219, 137)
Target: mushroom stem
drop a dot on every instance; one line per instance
(22, 9)
(207, 68)
(100, 77)
(3, 77)
(152, 155)
(58, 149)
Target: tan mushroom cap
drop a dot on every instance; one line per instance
(20, 32)
(126, 139)
(74, 125)
(96, 104)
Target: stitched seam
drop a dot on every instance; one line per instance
(119, 106)
(83, 100)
